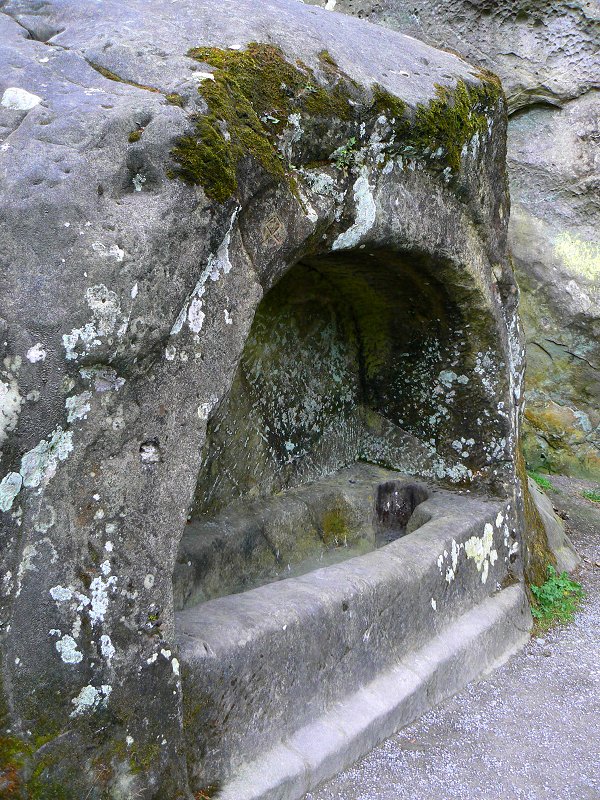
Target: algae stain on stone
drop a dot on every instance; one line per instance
(335, 528)
(579, 256)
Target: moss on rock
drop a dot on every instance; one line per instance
(452, 119)
(253, 93)
(335, 527)
(537, 554)
(250, 100)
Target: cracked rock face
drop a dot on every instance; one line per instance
(144, 215)
(547, 57)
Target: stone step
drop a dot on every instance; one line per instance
(476, 643)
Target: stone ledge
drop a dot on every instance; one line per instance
(259, 666)
(478, 642)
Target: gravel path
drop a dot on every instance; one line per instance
(529, 731)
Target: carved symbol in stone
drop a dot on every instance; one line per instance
(273, 231)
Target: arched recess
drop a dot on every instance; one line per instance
(366, 355)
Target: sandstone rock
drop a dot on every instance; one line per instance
(547, 57)
(555, 216)
(544, 53)
(149, 201)
(560, 544)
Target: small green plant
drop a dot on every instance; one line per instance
(175, 99)
(592, 494)
(345, 154)
(541, 481)
(556, 600)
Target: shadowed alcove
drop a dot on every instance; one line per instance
(356, 375)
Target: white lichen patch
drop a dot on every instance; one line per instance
(10, 406)
(486, 369)
(106, 309)
(17, 99)
(67, 647)
(39, 465)
(99, 590)
(61, 594)
(102, 379)
(138, 181)
(36, 353)
(218, 264)
(7, 583)
(481, 551)
(113, 251)
(10, 486)
(204, 409)
(90, 698)
(366, 212)
(78, 406)
(195, 314)
(150, 453)
(106, 647)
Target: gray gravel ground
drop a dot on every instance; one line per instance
(529, 731)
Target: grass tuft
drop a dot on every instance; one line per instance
(556, 600)
(591, 494)
(541, 481)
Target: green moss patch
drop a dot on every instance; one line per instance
(175, 99)
(253, 93)
(591, 494)
(537, 553)
(335, 528)
(250, 100)
(112, 76)
(452, 119)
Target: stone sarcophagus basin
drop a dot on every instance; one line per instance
(260, 390)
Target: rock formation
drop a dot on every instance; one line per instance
(166, 169)
(547, 57)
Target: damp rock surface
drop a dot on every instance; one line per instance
(324, 522)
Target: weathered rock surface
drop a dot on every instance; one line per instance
(555, 217)
(547, 56)
(148, 201)
(505, 724)
(558, 540)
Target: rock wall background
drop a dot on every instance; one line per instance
(547, 55)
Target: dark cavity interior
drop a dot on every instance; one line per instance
(353, 357)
